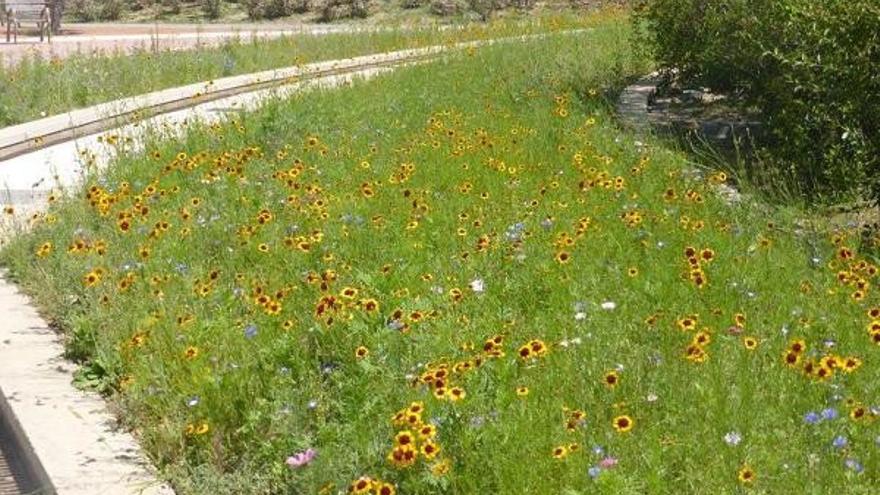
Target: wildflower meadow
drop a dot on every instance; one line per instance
(462, 277)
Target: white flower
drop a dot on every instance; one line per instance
(652, 397)
(580, 316)
(609, 305)
(477, 285)
(732, 438)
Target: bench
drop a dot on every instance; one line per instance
(14, 12)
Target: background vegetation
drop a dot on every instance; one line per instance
(809, 67)
(320, 10)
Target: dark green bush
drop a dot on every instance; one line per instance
(812, 68)
(212, 8)
(93, 10)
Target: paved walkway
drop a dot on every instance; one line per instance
(91, 38)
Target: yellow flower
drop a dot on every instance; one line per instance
(456, 394)
(746, 475)
(44, 249)
(92, 278)
(750, 343)
(430, 449)
(560, 452)
(611, 379)
(441, 468)
(563, 257)
(361, 352)
(623, 424)
(361, 485)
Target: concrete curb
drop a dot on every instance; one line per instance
(70, 427)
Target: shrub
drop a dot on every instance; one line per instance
(82, 10)
(92, 10)
(447, 8)
(344, 9)
(270, 9)
(809, 67)
(254, 8)
(110, 10)
(173, 6)
(485, 8)
(212, 8)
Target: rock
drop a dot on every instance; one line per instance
(691, 96)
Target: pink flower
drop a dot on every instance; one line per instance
(301, 459)
(608, 462)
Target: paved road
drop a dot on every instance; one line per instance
(90, 38)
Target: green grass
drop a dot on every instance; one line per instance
(410, 189)
(36, 87)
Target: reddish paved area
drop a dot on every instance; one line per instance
(90, 38)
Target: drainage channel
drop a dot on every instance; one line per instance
(20, 471)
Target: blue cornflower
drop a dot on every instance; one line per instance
(854, 465)
(250, 331)
(829, 414)
(839, 442)
(811, 418)
(594, 472)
